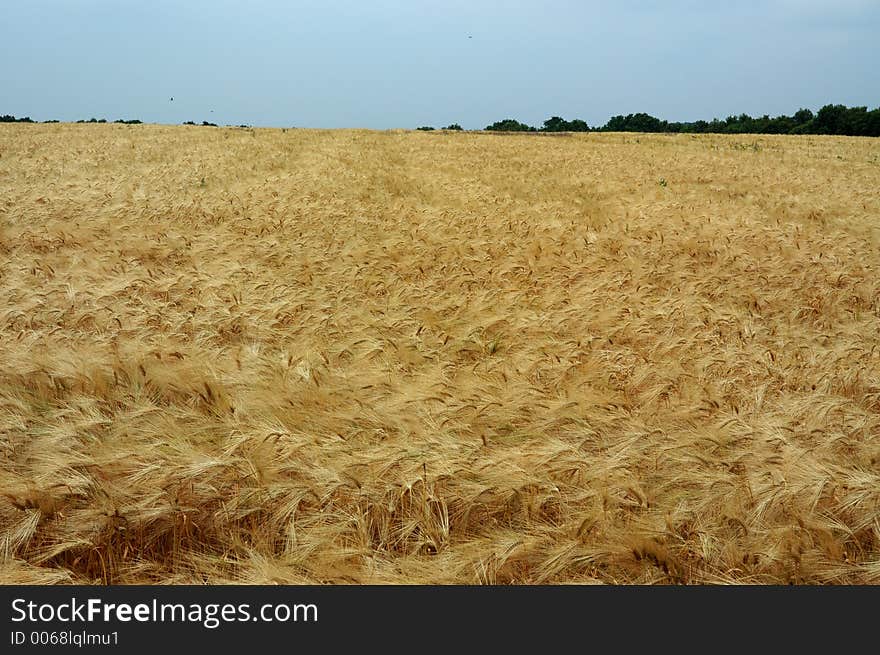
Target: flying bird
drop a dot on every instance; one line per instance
(172, 100)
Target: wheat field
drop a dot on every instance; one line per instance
(299, 356)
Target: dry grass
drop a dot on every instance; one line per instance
(298, 356)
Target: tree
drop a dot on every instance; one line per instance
(873, 123)
(558, 124)
(555, 124)
(831, 119)
(510, 125)
(803, 116)
(425, 128)
(615, 124)
(644, 123)
(454, 126)
(640, 122)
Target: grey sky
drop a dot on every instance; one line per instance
(383, 64)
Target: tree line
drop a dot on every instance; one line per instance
(7, 118)
(830, 119)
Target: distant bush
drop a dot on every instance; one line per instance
(510, 125)
(124, 122)
(557, 124)
(634, 123)
(52, 121)
(425, 128)
(207, 124)
(454, 126)
(7, 118)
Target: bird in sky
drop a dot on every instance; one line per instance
(172, 100)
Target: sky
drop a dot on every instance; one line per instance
(383, 64)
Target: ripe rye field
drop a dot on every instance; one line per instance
(233, 355)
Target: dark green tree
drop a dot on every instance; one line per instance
(803, 116)
(831, 119)
(510, 125)
(555, 124)
(640, 122)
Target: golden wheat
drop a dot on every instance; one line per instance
(302, 356)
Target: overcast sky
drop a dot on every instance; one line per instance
(383, 64)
